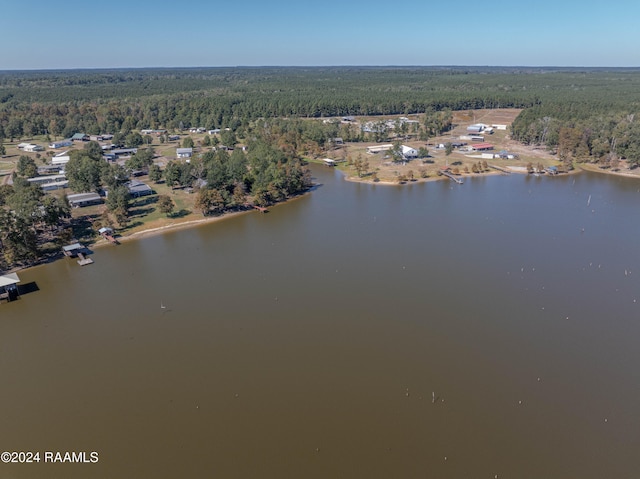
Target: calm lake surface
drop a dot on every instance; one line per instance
(429, 330)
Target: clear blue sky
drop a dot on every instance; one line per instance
(49, 34)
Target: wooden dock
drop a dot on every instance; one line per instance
(451, 177)
(110, 238)
(83, 260)
(501, 169)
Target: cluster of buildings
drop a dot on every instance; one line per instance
(408, 153)
(381, 126)
(52, 176)
(30, 147)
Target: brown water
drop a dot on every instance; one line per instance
(429, 330)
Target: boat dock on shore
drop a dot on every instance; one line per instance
(76, 250)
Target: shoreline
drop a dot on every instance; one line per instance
(156, 231)
(146, 233)
(151, 232)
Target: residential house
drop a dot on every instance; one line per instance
(184, 152)
(79, 200)
(409, 153)
(138, 188)
(60, 144)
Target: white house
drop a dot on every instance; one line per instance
(184, 152)
(60, 160)
(379, 148)
(60, 144)
(408, 152)
(32, 147)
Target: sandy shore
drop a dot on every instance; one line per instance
(146, 233)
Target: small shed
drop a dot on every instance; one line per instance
(80, 137)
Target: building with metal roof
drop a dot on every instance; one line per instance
(84, 199)
(138, 188)
(482, 147)
(184, 152)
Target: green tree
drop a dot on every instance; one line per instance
(93, 150)
(3, 151)
(118, 203)
(172, 173)
(448, 148)
(228, 138)
(84, 173)
(396, 152)
(133, 140)
(239, 197)
(54, 210)
(155, 173)
(118, 139)
(25, 200)
(210, 200)
(141, 160)
(26, 167)
(187, 142)
(165, 204)
(113, 176)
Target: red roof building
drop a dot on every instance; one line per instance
(482, 147)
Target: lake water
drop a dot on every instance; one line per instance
(428, 330)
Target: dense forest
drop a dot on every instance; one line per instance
(580, 114)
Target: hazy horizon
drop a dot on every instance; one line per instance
(70, 35)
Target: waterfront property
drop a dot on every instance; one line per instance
(9, 286)
(409, 153)
(138, 188)
(77, 250)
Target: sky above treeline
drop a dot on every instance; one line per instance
(45, 34)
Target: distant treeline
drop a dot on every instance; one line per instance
(61, 103)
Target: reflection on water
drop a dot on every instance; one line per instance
(430, 330)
